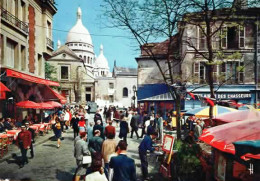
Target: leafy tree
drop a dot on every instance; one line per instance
(50, 72)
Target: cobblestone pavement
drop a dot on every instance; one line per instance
(51, 163)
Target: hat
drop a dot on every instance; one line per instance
(23, 126)
(27, 123)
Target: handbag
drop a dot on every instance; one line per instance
(86, 159)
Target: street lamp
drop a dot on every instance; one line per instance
(134, 89)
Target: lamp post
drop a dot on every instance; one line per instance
(134, 97)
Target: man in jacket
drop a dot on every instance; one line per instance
(74, 124)
(145, 145)
(80, 150)
(24, 140)
(145, 118)
(134, 125)
(33, 136)
(124, 167)
(95, 144)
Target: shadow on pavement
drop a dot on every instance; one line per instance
(50, 145)
(63, 175)
(15, 159)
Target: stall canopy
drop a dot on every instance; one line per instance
(204, 111)
(248, 149)
(54, 104)
(222, 137)
(12, 73)
(28, 105)
(45, 105)
(62, 99)
(236, 116)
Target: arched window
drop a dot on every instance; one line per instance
(125, 92)
(80, 56)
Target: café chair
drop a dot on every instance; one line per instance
(3, 146)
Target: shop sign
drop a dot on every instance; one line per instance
(227, 95)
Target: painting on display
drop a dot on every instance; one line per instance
(168, 143)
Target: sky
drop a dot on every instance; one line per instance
(123, 49)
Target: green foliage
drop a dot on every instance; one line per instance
(187, 157)
(50, 70)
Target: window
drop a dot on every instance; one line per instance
(249, 34)
(111, 98)
(232, 37)
(75, 44)
(80, 56)
(85, 59)
(88, 61)
(241, 36)
(84, 45)
(48, 30)
(23, 11)
(64, 72)
(125, 92)
(202, 40)
(224, 37)
(199, 72)
(40, 64)
(111, 85)
(241, 72)
(88, 89)
(23, 58)
(215, 73)
(80, 44)
(88, 97)
(11, 52)
(2, 49)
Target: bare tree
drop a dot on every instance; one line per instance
(148, 21)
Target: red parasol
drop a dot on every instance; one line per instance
(54, 104)
(221, 137)
(236, 116)
(3, 88)
(45, 105)
(28, 104)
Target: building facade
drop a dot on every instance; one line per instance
(26, 42)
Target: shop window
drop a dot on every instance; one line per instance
(64, 72)
(125, 92)
(111, 85)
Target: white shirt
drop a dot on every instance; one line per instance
(96, 176)
(67, 116)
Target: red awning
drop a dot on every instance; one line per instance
(28, 104)
(45, 105)
(54, 104)
(3, 88)
(12, 73)
(222, 137)
(62, 99)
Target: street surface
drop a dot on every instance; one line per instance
(51, 163)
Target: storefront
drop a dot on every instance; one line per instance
(25, 87)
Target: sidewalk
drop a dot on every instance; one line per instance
(13, 149)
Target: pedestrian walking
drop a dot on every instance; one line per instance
(82, 125)
(99, 127)
(134, 124)
(80, 150)
(124, 129)
(97, 171)
(145, 145)
(24, 139)
(33, 136)
(145, 118)
(57, 131)
(90, 130)
(110, 130)
(108, 148)
(95, 144)
(123, 166)
(74, 124)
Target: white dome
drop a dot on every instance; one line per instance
(79, 33)
(101, 60)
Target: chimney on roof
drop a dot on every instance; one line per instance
(58, 44)
(240, 4)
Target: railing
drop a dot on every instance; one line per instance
(14, 20)
(50, 43)
(49, 1)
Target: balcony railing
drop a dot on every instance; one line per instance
(50, 43)
(7, 16)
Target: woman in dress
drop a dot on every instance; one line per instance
(57, 131)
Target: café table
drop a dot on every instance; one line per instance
(14, 132)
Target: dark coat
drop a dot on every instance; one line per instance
(74, 123)
(123, 129)
(134, 122)
(124, 168)
(101, 129)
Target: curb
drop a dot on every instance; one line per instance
(10, 155)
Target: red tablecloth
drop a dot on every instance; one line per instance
(41, 127)
(34, 127)
(14, 132)
(3, 136)
(7, 136)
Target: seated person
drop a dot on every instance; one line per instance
(7, 124)
(2, 126)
